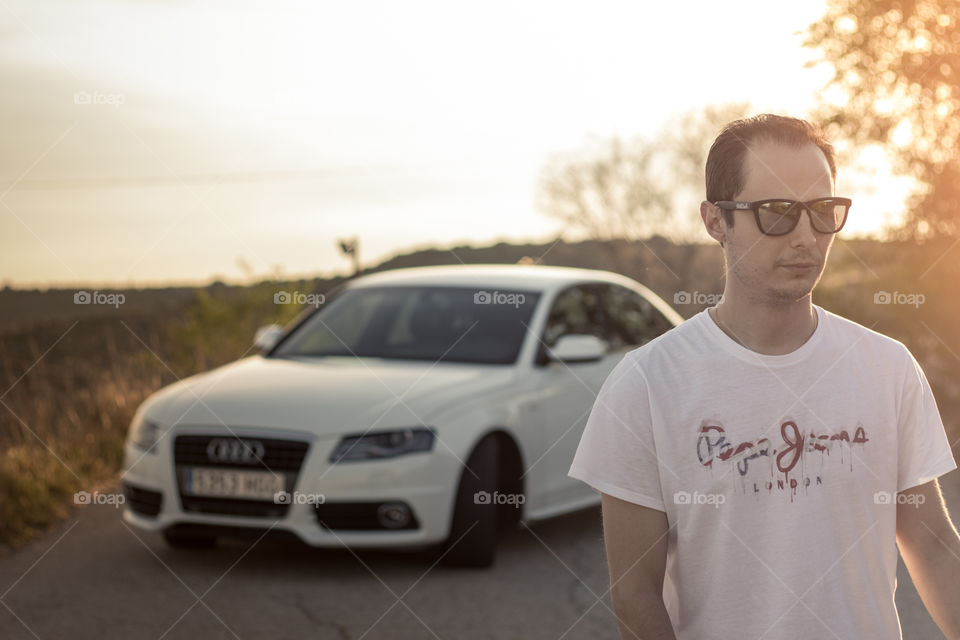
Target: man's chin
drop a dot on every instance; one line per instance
(795, 291)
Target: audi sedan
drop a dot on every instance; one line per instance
(415, 408)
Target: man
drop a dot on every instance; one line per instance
(758, 463)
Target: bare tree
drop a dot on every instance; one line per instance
(609, 193)
(637, 188)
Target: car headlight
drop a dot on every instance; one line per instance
(144, 435)
(383, 444)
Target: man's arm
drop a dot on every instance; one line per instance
(930, 548)
(636, 541)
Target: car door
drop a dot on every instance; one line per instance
(622, 317)
(567, 390)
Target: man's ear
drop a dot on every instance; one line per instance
(713, 221)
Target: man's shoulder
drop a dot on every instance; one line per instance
(851, 334)
(846, 334)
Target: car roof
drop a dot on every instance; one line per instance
(505, 276)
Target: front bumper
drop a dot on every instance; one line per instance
(426, 482)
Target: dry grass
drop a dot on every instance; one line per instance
(73, 386)
(70, 387)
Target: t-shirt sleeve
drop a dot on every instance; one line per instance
(924, 451)
(617, 454)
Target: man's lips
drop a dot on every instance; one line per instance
(800, 267)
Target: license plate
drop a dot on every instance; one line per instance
(231, 483)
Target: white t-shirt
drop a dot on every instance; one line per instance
(778, 474)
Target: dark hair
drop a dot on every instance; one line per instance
(725, 160)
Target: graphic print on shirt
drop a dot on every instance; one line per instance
(778, 463)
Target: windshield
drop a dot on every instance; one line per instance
(418, 323)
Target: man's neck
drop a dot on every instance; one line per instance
(769, 329)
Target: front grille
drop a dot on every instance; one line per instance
(279, 455)
(143, 501)
(356, 516)
(283, 457)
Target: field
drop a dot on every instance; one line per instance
(71, 375)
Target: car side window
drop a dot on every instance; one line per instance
(577, 310)
(634, 321)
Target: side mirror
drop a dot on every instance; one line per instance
(577, 348)
(267, 337)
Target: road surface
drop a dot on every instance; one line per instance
(92, 577)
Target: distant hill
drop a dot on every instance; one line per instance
(658, 263)
(23, 308)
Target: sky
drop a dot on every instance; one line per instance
(149, 143)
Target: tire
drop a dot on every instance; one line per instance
(473, 533)
(179, 540)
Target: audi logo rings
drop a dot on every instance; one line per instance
(235, 451)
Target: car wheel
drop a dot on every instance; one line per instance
(180, 540)
(473, 534)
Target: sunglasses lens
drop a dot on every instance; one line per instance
(828, 215)
(778, 217)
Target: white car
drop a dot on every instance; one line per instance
(414, 408)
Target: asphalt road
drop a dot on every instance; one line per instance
(92, 577)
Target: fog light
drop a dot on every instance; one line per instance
(393, 515)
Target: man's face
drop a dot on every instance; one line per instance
(779, 269)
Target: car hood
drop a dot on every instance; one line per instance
(323, 396)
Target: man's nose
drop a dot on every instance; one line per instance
(804, 232)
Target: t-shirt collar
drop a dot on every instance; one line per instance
(717, 336)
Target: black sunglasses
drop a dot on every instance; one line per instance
(779, 216)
